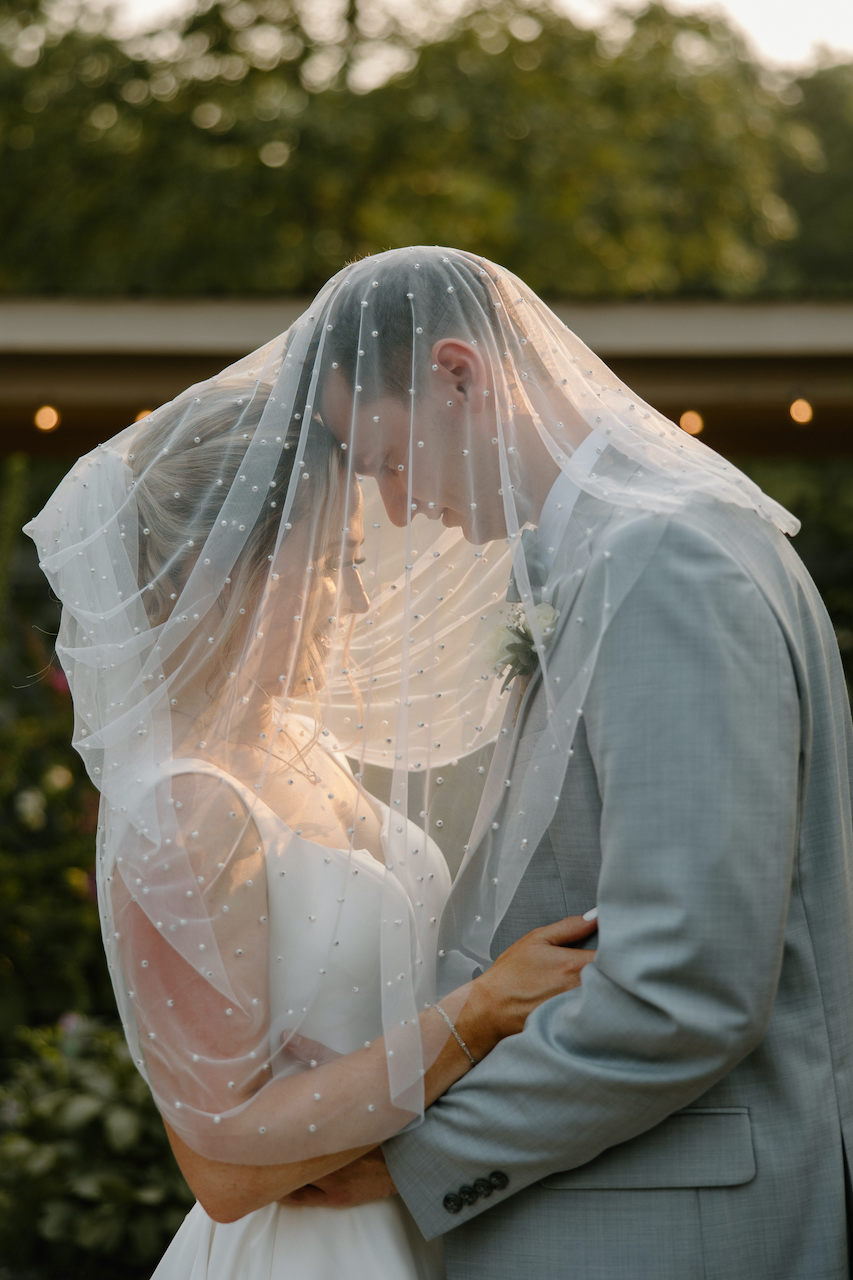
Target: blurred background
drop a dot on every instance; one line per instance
(177, 181)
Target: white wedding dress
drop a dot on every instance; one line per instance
(377, 1241)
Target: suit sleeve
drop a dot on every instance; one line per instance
(693, 726)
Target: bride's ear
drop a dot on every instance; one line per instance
(462, 369)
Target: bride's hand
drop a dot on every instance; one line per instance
(362, 1181)
(541, 964)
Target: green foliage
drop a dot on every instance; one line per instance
(51, 958)
(641, 171)
(253, 149)
(88, 1186)
(816, 181)
(821, 496)
(50, 946)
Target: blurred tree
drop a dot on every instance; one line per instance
(255, 146)
(817, 181)
(136, 169)
(639, 166)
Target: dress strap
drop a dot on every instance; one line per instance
(270, 823)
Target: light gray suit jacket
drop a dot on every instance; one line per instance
(683, 1115)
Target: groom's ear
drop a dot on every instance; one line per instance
(462, 369)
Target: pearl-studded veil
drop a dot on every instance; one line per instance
(283, 599)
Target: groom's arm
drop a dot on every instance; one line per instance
(693, 726)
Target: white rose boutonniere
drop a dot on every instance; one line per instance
(513, 645)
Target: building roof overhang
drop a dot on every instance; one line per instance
(739, 364)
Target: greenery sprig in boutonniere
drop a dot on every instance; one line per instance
(513, 646)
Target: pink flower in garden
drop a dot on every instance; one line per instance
(57, 680)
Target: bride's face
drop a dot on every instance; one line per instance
(305, 608)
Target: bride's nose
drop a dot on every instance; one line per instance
(394, 491)
(355, 599)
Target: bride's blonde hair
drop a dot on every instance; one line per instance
(182, 478)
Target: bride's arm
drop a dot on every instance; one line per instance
(229, 1191)
(540, 965)
(194, 950)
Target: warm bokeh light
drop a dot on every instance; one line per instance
(691, 422)
(801, 411)
(274, 154)
(46, 418)
(143, 413)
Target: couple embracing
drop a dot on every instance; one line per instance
(620, 1044)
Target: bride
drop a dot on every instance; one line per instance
(269, 924)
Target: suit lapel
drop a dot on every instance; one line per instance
(500, 767)
(563, 590)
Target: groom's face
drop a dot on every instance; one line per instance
(454, 465)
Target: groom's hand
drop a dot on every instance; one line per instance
(357, 1183)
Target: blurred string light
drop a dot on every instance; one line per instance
(801, 411)
(46, 418)
(143, 413)
(691, 422)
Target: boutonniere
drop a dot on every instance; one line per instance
(512, 645)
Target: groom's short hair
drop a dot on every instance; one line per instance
(412, 299)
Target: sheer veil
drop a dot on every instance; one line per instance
(287, 583)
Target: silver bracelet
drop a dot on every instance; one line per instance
(456, 1036)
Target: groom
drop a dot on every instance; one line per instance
(688, 1113)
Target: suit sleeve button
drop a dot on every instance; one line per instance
(483, 1187)
(453, 1203)
(498, 1180)
(467, 1194)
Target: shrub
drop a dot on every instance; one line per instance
(51, 956)
(88, 1184)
